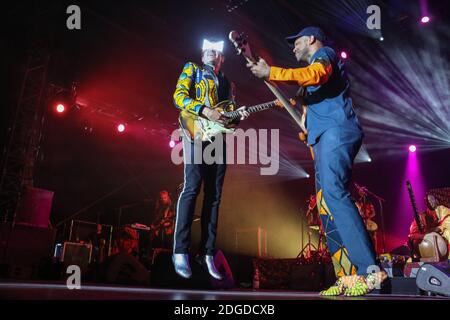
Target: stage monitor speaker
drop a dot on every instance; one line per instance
(307, 277)
(434, 278)
(34, 207)
(123, 268)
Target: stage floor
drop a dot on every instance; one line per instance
(16, 290)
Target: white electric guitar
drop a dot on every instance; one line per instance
(197, 127)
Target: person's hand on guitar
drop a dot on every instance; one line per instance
(260, 69)
(243, 112)
(214, 115)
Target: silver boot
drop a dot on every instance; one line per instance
(209, 260)
(181, 264)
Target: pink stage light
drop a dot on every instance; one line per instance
(121, 127)
(425, 19)
(172, 143)
(404, 212)
(412, 148)
(344, 55)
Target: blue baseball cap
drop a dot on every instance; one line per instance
(308, 31)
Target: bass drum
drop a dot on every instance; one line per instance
(433, 245)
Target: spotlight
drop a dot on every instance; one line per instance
(60, 108)
(172, 143)
(412, 148)
(344, 55)
(62, 99)
(425, 19)
(307, 175)
(369, 160)
(381, 38)
(121, 127)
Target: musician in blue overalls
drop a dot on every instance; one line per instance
(335, 135)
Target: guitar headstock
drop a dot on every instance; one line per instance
(408, 185)
(239, 40)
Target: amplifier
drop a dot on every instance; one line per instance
(77, 254)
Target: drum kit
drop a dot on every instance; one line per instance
(141, 238)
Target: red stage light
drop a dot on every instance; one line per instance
(344, 55)
(172, 143)
(121, 127)
(60, 108)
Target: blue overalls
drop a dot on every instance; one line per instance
(336, 136)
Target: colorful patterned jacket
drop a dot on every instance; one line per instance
(200, 86)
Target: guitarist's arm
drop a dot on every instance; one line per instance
(315, 74)
(181, 96)
(312, 75)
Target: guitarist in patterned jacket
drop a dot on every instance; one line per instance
(198, 90)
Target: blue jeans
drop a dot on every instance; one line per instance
(347, 238)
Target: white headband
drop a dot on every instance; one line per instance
(217, 46)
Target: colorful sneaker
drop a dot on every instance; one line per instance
(335, 290)
(360, 286)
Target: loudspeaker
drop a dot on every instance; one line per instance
(34, 207)
(434, 278)
(25, 245)
(164, 275)
(124, 268)
(22, 249)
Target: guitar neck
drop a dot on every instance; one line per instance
(243, 48)
(252, 109)
(414, 206)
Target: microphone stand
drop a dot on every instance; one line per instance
(380, 203)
